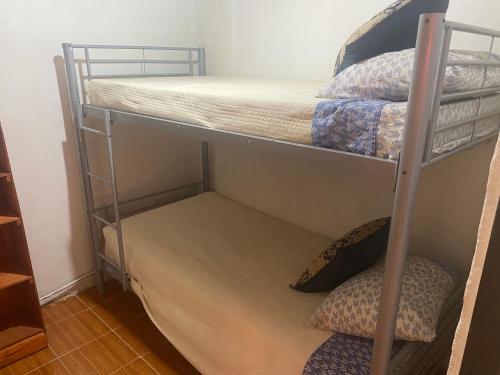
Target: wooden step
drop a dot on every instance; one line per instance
(9, 279)
(13, 335)
(5, 176)
(19, 342)
(9, 219)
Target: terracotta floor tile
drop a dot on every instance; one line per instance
(78, 363)
(52, 368)
(22, 366)
(59, 342)
(46, 318)
(138, 367)
(120, 351)
(119, 311)
(81, 343)
(42, 357)
(142, 335)
(92, 297)
(57, 311)
(92, 323)
(100, 358)
(76, 331)
(107, 313)
(74, 305)
(167, 360)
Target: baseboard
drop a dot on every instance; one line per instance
(83, 282)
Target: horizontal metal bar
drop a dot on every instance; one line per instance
(87, 129)
(457, 26)
(136, 61)
(150, 196)
(139, 75)
(106, 181)
(491, 63)
(110, 262)
(468, 94)
(467, 121)
(111, 46)
(464, 147)
(104, 221)
(223, 136)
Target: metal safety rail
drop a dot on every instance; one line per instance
(426, 95)
(194, 56)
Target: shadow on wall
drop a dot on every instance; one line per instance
(79, 242)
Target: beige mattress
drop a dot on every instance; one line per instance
(279, 109)
(214, 278)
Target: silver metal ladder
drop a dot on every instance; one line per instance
(95, 219)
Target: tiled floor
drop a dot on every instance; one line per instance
(94, 334)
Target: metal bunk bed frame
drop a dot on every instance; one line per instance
(426, 95)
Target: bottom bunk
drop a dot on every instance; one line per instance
(214, 277)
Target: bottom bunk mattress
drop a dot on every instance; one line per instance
(214, 277)
(289, 111)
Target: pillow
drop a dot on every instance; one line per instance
(393, 29)
(344, 258)
(352, 308)
(388, 76)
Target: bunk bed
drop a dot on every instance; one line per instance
(192, 109)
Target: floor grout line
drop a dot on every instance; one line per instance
(90, 309)
(139, 356)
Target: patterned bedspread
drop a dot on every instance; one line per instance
(349, 125)
(375, 127)
(344, 355)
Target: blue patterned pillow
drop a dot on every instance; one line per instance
(388, 76)
(393, 29)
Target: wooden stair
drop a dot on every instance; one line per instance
(22, 331)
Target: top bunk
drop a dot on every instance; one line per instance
(169, 86)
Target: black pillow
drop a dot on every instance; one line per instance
(393, 29)
(346, 257)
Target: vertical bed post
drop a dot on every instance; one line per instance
(116, 204)
(423, 85)
(205, 160)
(78, 121)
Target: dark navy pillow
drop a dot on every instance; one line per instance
(393, 29)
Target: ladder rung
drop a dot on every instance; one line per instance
(110, 262)
(85, 128)
(104, 221)
(102, 179)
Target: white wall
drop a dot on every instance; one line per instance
(40, 135)
(279, 38)
(299, 39)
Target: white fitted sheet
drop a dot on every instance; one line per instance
(279, 109)
(214, 276)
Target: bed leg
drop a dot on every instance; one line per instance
(423, 87)
(205, 166)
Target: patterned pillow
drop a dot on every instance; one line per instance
(388, 76)
(393, 29)
(344, 258)
(352, 308)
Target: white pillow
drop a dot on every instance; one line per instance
(352, 308)
(388, 76)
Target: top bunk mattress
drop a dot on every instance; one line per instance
(287, 110)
